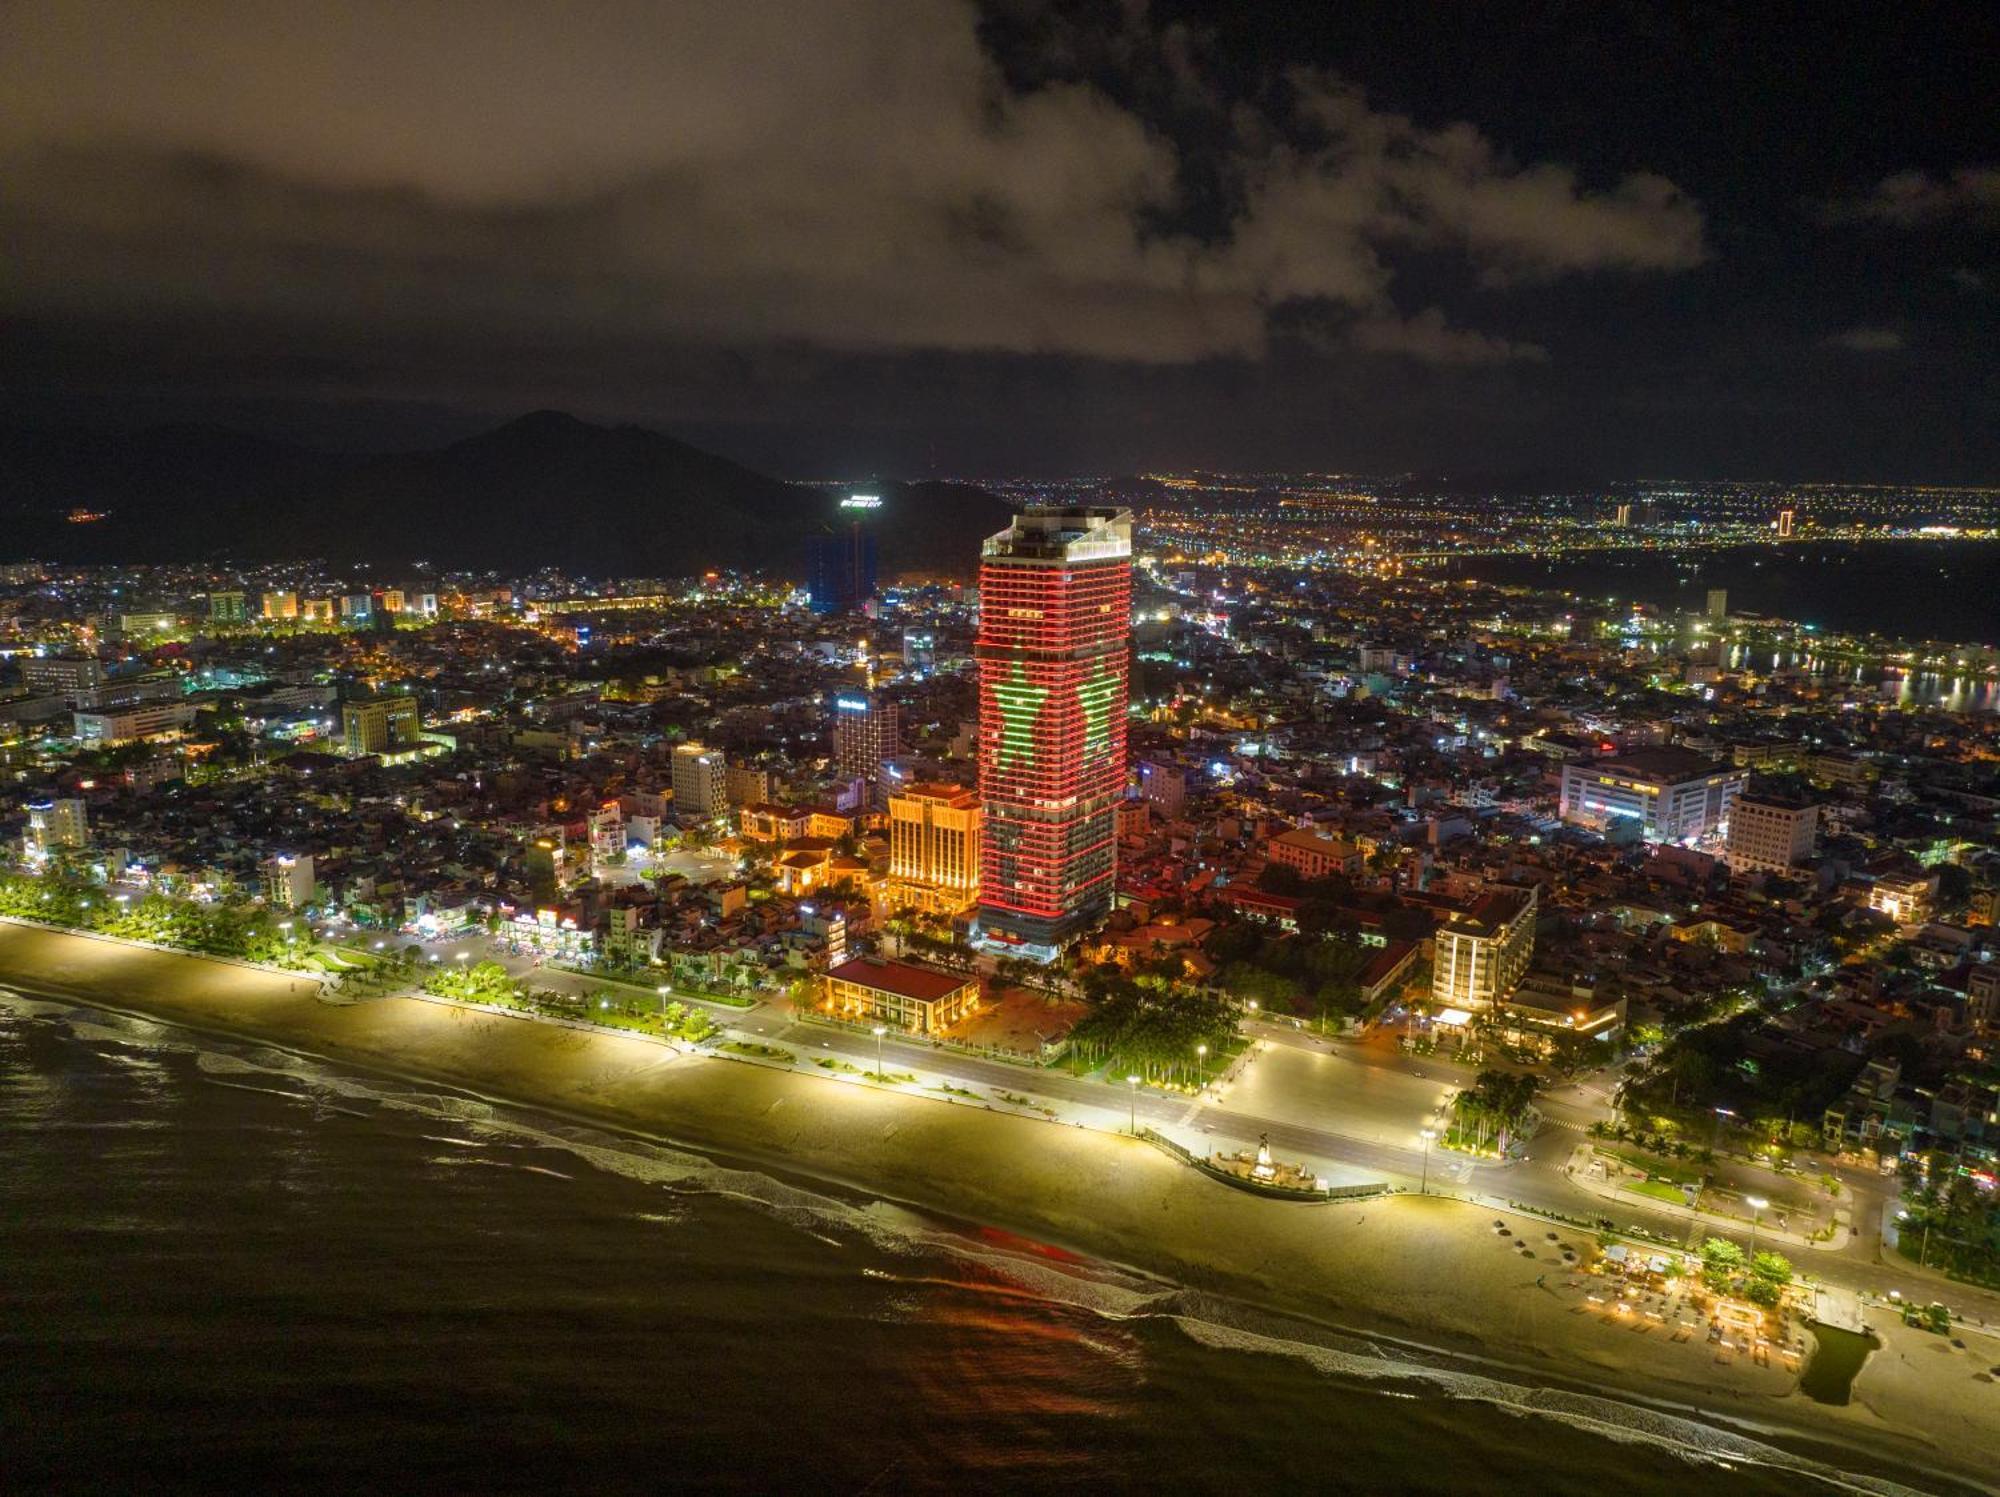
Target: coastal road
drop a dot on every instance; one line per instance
(1293, 1097)
(1353, 1109)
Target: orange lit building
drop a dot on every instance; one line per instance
(934, 836)
(900, 995)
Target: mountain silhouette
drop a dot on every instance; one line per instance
(545, 489)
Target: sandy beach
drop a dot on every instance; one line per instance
(1428, 1271)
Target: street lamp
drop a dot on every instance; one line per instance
(1133, 1082)
(663, 1004)
(1757, 1205)
(1201, 1064)
(880, 1030)
(1424, 1186)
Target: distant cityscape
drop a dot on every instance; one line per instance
(1181, 788)
(1000, 746)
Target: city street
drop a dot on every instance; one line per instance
(1351, 1109)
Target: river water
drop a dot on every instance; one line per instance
(226, 1266)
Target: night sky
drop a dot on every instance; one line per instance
(922, 237)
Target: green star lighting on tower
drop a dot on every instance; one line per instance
(1096, 696)
(1020, 704)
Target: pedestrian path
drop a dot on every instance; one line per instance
(1578, 1171)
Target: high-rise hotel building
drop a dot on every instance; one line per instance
(934, 848)
(1055, 611)
(700, 779)
(1481, 951)
(867, 729)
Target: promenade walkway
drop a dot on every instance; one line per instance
(1580, 1175)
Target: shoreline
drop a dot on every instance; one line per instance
(1643, 569)
(1427, 1277)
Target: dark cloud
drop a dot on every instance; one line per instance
(1038, 234)
(856, 176)
(1869, 340)
(1429, 338)
(1911, 198)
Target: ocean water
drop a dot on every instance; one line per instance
(229, 1267)
(1943, 590)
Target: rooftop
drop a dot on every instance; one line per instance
(1665, 764)
(1313, 841)
(1489, 912)
(904, 979)
(939, 790)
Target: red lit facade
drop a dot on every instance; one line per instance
(1055, 609)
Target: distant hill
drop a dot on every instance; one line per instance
(546, 489)
(1133, 489)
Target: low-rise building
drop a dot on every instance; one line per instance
(1315, 855)
(1905, 894)
(899, 995)
(1549, 1013)
(771, 823)
(129, 724)
(1769, 834)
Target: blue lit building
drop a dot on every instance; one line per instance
(840, 569)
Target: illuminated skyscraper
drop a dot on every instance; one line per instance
(1055, 610)
(934, 848)
(840, 561)
(867, 729)
(700, 777)
(1787, 518)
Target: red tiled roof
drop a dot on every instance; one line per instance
(904, 979)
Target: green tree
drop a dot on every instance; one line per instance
(1721, 1262)
(1280, 878)
(1774, 1269)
